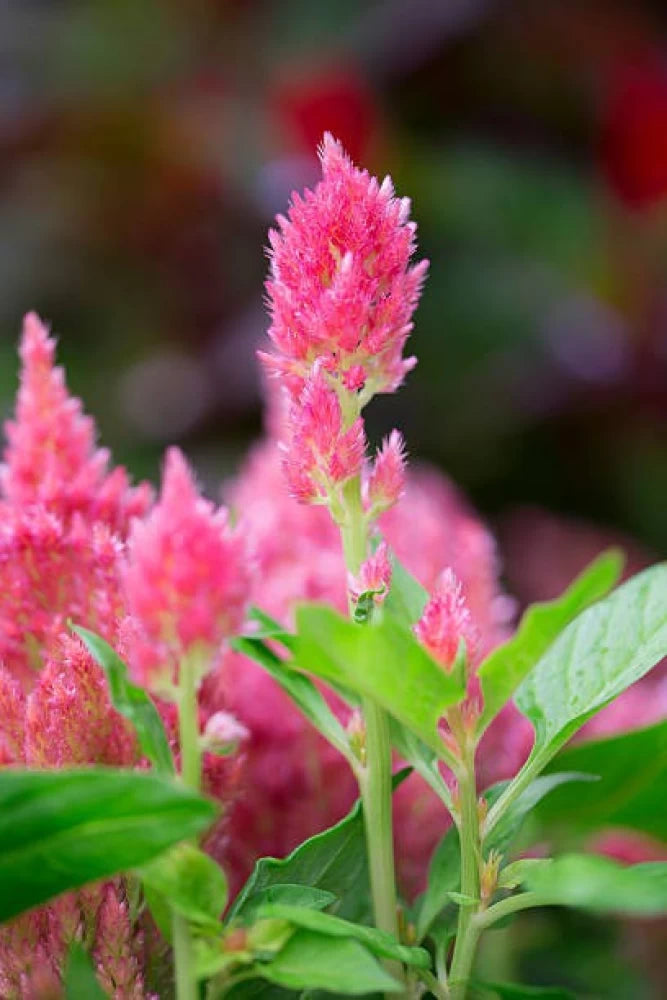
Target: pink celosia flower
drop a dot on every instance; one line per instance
(386, 480)
(51, 458)
(341, 284)
(117, 947)
(445, 621)
(186, 578)
(320, 454)
(374, 577)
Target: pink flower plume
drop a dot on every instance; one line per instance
(51, 457)
(386, 480)
(341, 286)
(446, 620)
(187, 574)
(374, 577)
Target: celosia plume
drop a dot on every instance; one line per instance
(386, 480)
(341, 286)
(186, 578)
(374, 577)
(320, 454)
(445, 621)
(51, 457)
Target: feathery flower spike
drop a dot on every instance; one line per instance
(374, 577)
(341, 287)
(386, 480)
(187, 576)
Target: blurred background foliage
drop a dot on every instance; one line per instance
(145, 146)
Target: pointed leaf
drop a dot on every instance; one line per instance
(190, 881)
(131, 701)
(376, 941)
(513, 818)
(514, 991)
(605, 650)
(503, 670)
(592, 882)
(61, 829)
(406, 598)
(299, 688)
(630, 766)
(314, 961)
(383, 661)
(289, 894)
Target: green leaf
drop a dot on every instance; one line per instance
(423, 759)
(131, 701)
(605, 650)
(299, 688)
(503, 670)
(269, 628)
(383, 661)
(61, 829)
(80, 979)
(191, 882)
(290, 894)
(406, 598)
(514, 991)
(592, 882)
(376, 941)
(630, 766)
(513, 818)
(316, 961)
(444, 876)
(334, 861)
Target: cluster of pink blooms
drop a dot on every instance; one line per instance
(167, 582)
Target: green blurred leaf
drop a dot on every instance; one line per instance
(299, 688)
(504, 669)
(378, 942)
(131, 701)
(62, 829)
(631, 767)
(406, 598)
(444, 877)
(596, 883)
(513, 818)
(514, 991)
(290, 895)
(317, 961)
(600, 654)
(80, 980)
(383, 661)
(192, 883)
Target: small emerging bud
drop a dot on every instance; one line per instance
(445, 622)
(223, 734)
(386, 481)
(374, 577)
(489, 877)
(356, 735)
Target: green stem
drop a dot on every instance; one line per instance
(375, 780)
(524, 901)
(467, 931)
(188, 727)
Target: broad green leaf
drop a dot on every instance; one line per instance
(334, 860)
(269, 628)
(631, 768)
(190, 881)
(514, 991)
(80, 980)
(592, 882)
(513, 818)
(290, 895)
(423, 759)
(376, 941)
(444, 876)
(299, 688)
(314, 961)
(516, 873)
(61, 829)
(503, 670)
(605, 650)
(131, 701)
(406, 598)
(383, 661)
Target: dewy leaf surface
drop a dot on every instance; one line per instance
(62, 829)
(600, 654)
(504, 669)
(131, 701)
(630, 792)
(383, 661)
(596, 883)
(314, 961)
